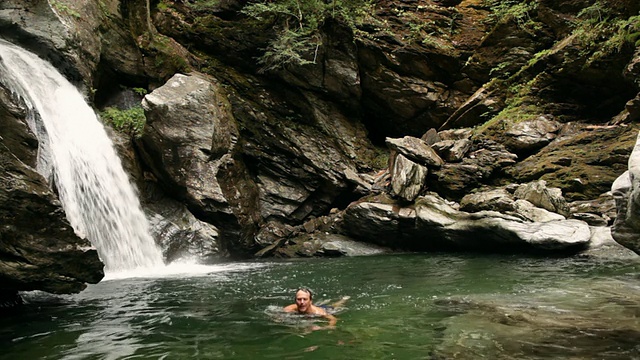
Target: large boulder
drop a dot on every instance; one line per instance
(432, 223)
(189, 144)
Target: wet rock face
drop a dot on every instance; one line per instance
(38, 247)
(189, 143)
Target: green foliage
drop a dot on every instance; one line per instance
(298, 24)
(130, 121)
(514, 11)
(600, 33)
(140, 91)
(203, 4)
(64, 8)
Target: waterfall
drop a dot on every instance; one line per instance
(76, 153)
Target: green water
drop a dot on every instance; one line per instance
(415, 306)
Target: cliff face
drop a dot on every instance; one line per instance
(285, 119)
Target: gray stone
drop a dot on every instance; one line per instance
(540, 195)
(452, 150)
(416, 150)
(407, 178)
(433, 224)
(528, 136)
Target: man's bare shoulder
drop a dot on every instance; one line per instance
(290, 308)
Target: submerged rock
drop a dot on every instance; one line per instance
(548, 323)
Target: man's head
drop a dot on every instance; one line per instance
(304, 299)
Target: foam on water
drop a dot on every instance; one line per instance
(182, 269)
(76, 153)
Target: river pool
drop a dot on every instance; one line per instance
(408, 306)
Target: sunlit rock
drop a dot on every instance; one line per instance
(526, 137)
(542, 196)
(626, 192)
(407, 178)
(434, 224)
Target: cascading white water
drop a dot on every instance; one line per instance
(96, 194)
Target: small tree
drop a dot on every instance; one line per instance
(299, 23)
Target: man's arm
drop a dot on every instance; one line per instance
(290, 308)
(332, 320)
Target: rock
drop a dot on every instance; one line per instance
(433, 224)
(188, 128)
(603, 207)
(503, 201)
(413, 95)
(602, 245)
(498, 200)
(533, 213)
(180, 234)
(455, 180)
(526, 137)
(547, 198)
(598, 156)
(431, 137)
(470, 112)
(348, 247)
(39, 29)
(452, 150)
(416, 150)
(407, 178)
(626, 192)
(456, 134)
(189, 142)
(322, 244)
(591, 219)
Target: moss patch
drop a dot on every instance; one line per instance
(583, 166)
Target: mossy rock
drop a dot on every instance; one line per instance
(583, 166)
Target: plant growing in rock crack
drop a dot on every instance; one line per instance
(601, 33)
(514, 10)
(130, 121)
(299, 22)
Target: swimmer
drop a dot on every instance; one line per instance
(304, 305)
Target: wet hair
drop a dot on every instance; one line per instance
(307, 291)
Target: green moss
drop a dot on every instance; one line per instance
(130, 121)
(380, 159)
(64, 9)
(583, 166)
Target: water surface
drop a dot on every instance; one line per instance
(413, 306)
